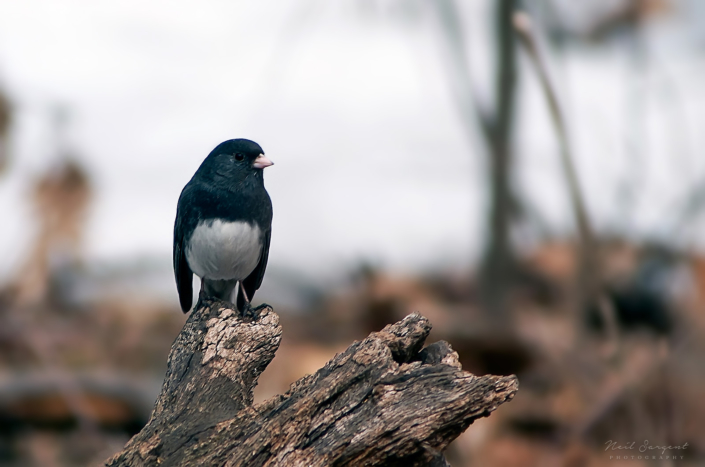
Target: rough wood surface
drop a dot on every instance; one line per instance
(383, 401)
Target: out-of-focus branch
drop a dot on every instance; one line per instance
(522, 25)
(5, 123)
(590, 287)
(469, 106)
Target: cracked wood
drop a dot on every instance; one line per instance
(385, 400)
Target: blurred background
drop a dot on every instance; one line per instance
(533, 183)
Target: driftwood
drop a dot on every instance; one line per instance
(383, 401)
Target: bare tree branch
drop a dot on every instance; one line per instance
(590, 286)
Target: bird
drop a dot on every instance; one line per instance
(223, 227)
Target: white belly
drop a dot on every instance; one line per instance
(221, 250)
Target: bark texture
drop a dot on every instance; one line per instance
(383, 401)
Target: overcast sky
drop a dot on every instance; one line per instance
(351, 103)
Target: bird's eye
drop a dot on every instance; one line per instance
(239, 157)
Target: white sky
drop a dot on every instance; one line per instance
(350, 102)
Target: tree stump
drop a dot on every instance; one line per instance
(383, 401)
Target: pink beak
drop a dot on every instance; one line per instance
(261, 162)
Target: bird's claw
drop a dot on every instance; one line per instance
(254, 312)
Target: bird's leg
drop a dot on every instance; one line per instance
(244, 294)
(248, 309)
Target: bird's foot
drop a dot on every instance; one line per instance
(253, 312)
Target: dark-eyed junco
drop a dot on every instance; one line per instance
(223, 225)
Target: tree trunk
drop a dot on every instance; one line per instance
(498, 266)
(383, 401)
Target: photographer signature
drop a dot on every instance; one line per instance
(646, 447)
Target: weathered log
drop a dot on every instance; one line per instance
(383, 401)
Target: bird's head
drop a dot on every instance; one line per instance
(235, 160)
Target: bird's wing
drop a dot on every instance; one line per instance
(182, 271)
(254, 280)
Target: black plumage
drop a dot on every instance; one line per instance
(223, 225)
